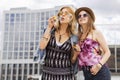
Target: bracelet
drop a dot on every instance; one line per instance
(45, 38)
(76, 50)
(100, 63)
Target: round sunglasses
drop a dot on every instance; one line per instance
(83, 15)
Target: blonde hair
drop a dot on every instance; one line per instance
(72, 24)
(90, 27)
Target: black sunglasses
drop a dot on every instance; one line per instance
(84, 15)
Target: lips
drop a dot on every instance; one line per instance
(62, 18)
(82, 19)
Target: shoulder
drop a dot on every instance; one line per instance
(99, 36)
(97, 33)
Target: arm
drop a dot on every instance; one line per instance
(46, 36)
(75, 53)
(104, 46)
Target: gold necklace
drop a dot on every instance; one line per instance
(60, 36)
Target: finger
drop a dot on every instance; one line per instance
(91, 70)
(51, 20)
(92, 73)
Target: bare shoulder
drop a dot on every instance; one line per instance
(97, 33)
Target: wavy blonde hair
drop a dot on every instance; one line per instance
(71, 29)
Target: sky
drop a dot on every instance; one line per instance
(106, 11)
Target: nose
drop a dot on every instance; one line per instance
(63, 14)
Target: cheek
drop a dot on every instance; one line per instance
(67, 19)
(85, 20)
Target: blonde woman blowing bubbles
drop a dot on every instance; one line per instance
(58, 46)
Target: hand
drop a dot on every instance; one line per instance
(95, 69)
(51, 21)
(76, 49)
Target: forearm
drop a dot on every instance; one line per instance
(74, 57)
(105, 57)
(45, 38)
(76, 51)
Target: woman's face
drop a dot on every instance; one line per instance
(82, 17)
(65, 16)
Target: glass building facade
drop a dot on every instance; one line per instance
(22, 31)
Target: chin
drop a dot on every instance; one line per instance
(63, 22)
(83, 23)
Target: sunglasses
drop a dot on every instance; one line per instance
(84, 15)
(65, 13)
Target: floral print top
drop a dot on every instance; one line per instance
(89, 54)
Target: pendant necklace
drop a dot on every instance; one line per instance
(60, 36)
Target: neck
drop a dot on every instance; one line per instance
(84, 28)
(63, 28)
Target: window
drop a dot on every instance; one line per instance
(20, 55)
(4, 55)
(25, 69)
(26, 46)
(10, 55)
(118, 58)
(7, 17)
(22, 17)
(11, 36)
(42, 16)
(3, 68)
(32, 36)
(36, 69)
(5, 46)
(6, 26)
(111, 61)
(47, 15)
(17, 17)
(15, 55)
(33, 17)
(12, 18)
(28, 17)
(26, 55)
(30, 68)
(26, 36)
(21, 46)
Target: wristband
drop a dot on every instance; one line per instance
(45, 38)
(100, 63)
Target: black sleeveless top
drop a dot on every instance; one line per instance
(57, 59)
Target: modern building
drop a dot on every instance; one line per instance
(0, 53)
(22, 29)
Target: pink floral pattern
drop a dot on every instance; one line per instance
(88, 55)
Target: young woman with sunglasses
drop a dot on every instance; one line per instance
(91, 61)
(58, 46)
